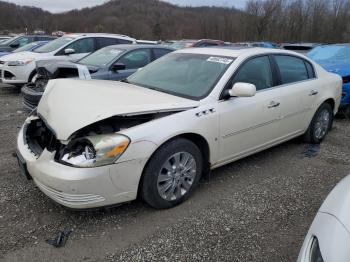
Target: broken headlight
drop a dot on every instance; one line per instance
(94, 151)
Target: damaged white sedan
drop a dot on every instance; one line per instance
(99, 143)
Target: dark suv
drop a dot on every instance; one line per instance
(21, 40)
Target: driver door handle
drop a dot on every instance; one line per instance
(273, 104)
(313, 93)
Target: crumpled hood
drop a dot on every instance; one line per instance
(338, 202)
(25, 55)
(340, 68)
(52, 65)
(69, 104)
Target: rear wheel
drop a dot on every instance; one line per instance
(320, 125)
(172, 174)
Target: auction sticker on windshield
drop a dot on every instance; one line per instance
(220, 60)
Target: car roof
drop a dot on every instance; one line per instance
(236, 51)
(199, 40)
(138, 46)
(77, 35)
(33, 35)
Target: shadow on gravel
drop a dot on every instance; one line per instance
(311, 150)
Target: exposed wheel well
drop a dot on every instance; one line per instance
(32, 74)
(199, 141)
(202, 144)
(331, 102)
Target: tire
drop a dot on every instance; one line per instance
(162, 185)
(320, 125)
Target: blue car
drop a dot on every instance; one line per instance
(28, 47)
(336, 59)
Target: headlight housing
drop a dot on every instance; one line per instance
(20, 62)
(94, 151)
(315, 252)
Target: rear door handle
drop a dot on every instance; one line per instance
(273, 104)
(313, 93)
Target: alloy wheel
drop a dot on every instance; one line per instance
(322, 124)
(176, 176)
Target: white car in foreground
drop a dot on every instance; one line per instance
(97, 143)
(329, 235)
(20, 68)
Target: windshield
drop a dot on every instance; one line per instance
(26, 47)
(330, 53)
(187, 75)
(54, 45)
(102, 57)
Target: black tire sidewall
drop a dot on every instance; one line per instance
(149, 190)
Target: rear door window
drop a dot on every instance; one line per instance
(292, 69)
(85, 45)
(136, 59)
(124, 42)
(310, 70)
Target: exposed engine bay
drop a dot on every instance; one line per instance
(116, 124)
(39, 136)
(47, 70)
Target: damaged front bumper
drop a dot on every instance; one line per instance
(80, 188)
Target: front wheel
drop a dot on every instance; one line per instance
(172, 174)
(320, 125)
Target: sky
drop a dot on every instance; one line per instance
(57, 6)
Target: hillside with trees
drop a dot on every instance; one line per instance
(275, 20)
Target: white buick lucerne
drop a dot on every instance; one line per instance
(98, 143)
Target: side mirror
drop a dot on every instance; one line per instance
(118, 66)
(14, 45)
(242, 90)
(69, 51)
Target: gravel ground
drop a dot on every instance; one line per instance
(256, 209)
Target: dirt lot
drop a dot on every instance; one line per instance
(257, 209)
